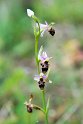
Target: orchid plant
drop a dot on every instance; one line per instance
(42, 62)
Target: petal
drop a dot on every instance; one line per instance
(43, 26)
(30, 12)
(36, 78)
(50, 81)
(42, 58)
(44, 76)
(44, 55)
(41, 74)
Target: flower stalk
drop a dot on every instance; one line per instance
(42, 62)
(44, 105)
(36, 52)
(37, 62)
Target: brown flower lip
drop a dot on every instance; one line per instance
(41, 84)
(44, 66)
(51, 31)
(29, 107)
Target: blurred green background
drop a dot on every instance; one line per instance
(17, 63)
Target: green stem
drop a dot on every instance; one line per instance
(37, 35)
(44, 101)
(44, 106)
(39, 108)
(36, 52)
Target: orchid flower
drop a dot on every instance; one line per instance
(46, 28)
(38, 77)
(41, 80)
(31, 106)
